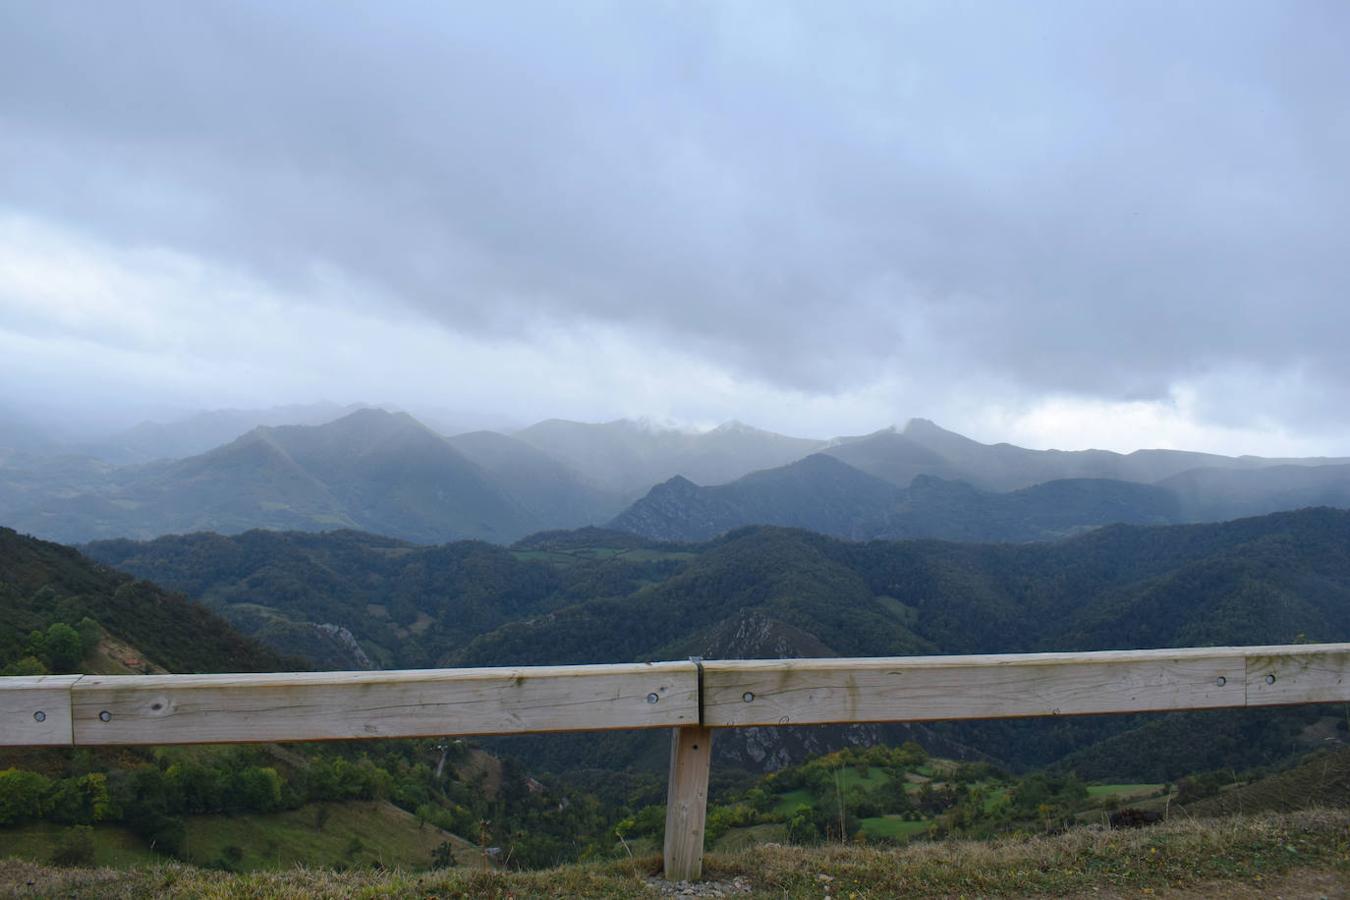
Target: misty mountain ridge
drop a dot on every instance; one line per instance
(825, 495)
(202, 431)
(386, 472)
(381, 471)
(627, 457)
(923, 447)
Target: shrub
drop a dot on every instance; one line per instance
(75, 847)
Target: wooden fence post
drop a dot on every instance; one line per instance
(687, 802)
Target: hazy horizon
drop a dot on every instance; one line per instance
(1054, 225)
(456, 422)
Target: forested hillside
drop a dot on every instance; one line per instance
(596, 596)
(239, 808)
(56, 606)
(1267, 579)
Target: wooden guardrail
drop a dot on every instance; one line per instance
(692, 698)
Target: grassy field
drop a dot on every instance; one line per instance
(875, 778)
(1301, 854)
(791, 800)
(996, 796)
(1124, 791)
(747, 837)
(848, 777)
(1323, 780)
(352, 835)
(114, 846)
(893, 827)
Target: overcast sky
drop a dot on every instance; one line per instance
(1061, 224)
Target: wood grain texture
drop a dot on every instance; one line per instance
(35, 710)
(171, 709)
(1311, 674)
(189, 709)
(818, 691)
(687, 802)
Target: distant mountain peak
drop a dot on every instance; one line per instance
(372, 422)
(918, 426)
(820, 461)
(675, 485)
(371, 414)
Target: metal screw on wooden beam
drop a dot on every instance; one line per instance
(40, 716)
(748, 696)
(1221, 681)
(1270, 679)
(653, 697)
(105, 716)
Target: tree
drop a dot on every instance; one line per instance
(801, 829)
(63, 648)
(28, 665)
(911, 754)
(893, 797)
(443, 857)
(258, 789)
(23, 795)
(90, 633)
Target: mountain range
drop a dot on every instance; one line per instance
(203, 431)
(821, 493)
(385, 472)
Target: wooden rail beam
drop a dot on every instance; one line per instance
(316, 706)
(190, 709)
(35, 710)
(738, 693)
(1314, 673)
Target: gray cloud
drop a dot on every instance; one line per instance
(1076, 198)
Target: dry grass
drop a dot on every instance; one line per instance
(1322, 780)
(1251, 856)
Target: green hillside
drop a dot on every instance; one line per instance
(406, 605)
(339, 835)
(240, 807)
(598, 596)
(1322, 780)
(45, 586)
